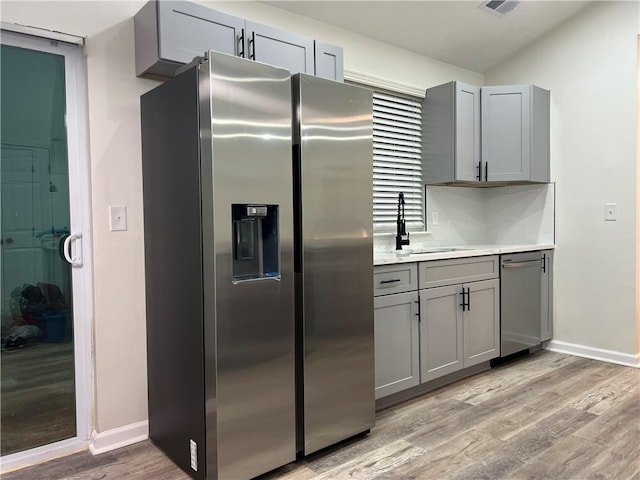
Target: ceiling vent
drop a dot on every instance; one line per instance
(499, 7)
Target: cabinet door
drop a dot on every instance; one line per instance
(481, 322)
(329, 61)
(279, 48)
(396, 343)
(440, 332)
(506, 133)
(540, 135)
(187, 30)
(467, 128)
(546, 327)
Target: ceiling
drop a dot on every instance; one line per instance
(455, 32)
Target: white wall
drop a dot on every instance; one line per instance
(120, 358)
(520, 214)
(590, 65)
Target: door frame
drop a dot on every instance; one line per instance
(77, 120)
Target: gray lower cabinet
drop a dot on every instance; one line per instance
(434, 318)
(455, 336)
(459, 314)
(515, 133)
(441, 343)
(481, 322)
(396, 343)
(169, 34)
(546, 324)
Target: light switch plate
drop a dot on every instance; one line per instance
(610, 212)
(118, 218)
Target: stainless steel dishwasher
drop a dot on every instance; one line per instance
(520, 301)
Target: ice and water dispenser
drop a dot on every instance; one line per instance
(255, 242)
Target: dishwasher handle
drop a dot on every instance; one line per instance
(530, 263)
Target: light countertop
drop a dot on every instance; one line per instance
(421, 254)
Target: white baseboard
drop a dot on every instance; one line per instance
(19, 460)
(611, 356)
(118, 437)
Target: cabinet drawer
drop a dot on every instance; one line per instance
(438, 273)
(395, 279)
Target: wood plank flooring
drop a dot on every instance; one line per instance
(546, 416)
(38, 396)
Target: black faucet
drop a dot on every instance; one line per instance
(401, 230)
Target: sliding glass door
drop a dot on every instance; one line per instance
(39, 248)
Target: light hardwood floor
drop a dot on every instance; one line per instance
(38, 396)
(548, 416)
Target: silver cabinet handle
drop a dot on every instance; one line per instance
(521, 264)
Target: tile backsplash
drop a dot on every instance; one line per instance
(510, 215)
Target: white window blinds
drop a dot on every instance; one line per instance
(397, 160)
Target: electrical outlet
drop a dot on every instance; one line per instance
(118, 218)
(610, 212)
(434, 218)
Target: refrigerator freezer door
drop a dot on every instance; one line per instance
(334, 132)
(246, 160)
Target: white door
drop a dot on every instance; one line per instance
(45, 289)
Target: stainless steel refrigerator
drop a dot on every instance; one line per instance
(218, 203)
(333, 157)
(218, 181)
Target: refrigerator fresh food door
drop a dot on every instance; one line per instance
(334, 165)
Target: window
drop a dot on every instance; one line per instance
(397, 160)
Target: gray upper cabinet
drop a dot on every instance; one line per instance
(282, 49)
(169, 34)
(451, 133)
(474, 136)
(546, 326)
(515, 133)
(329, 61)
